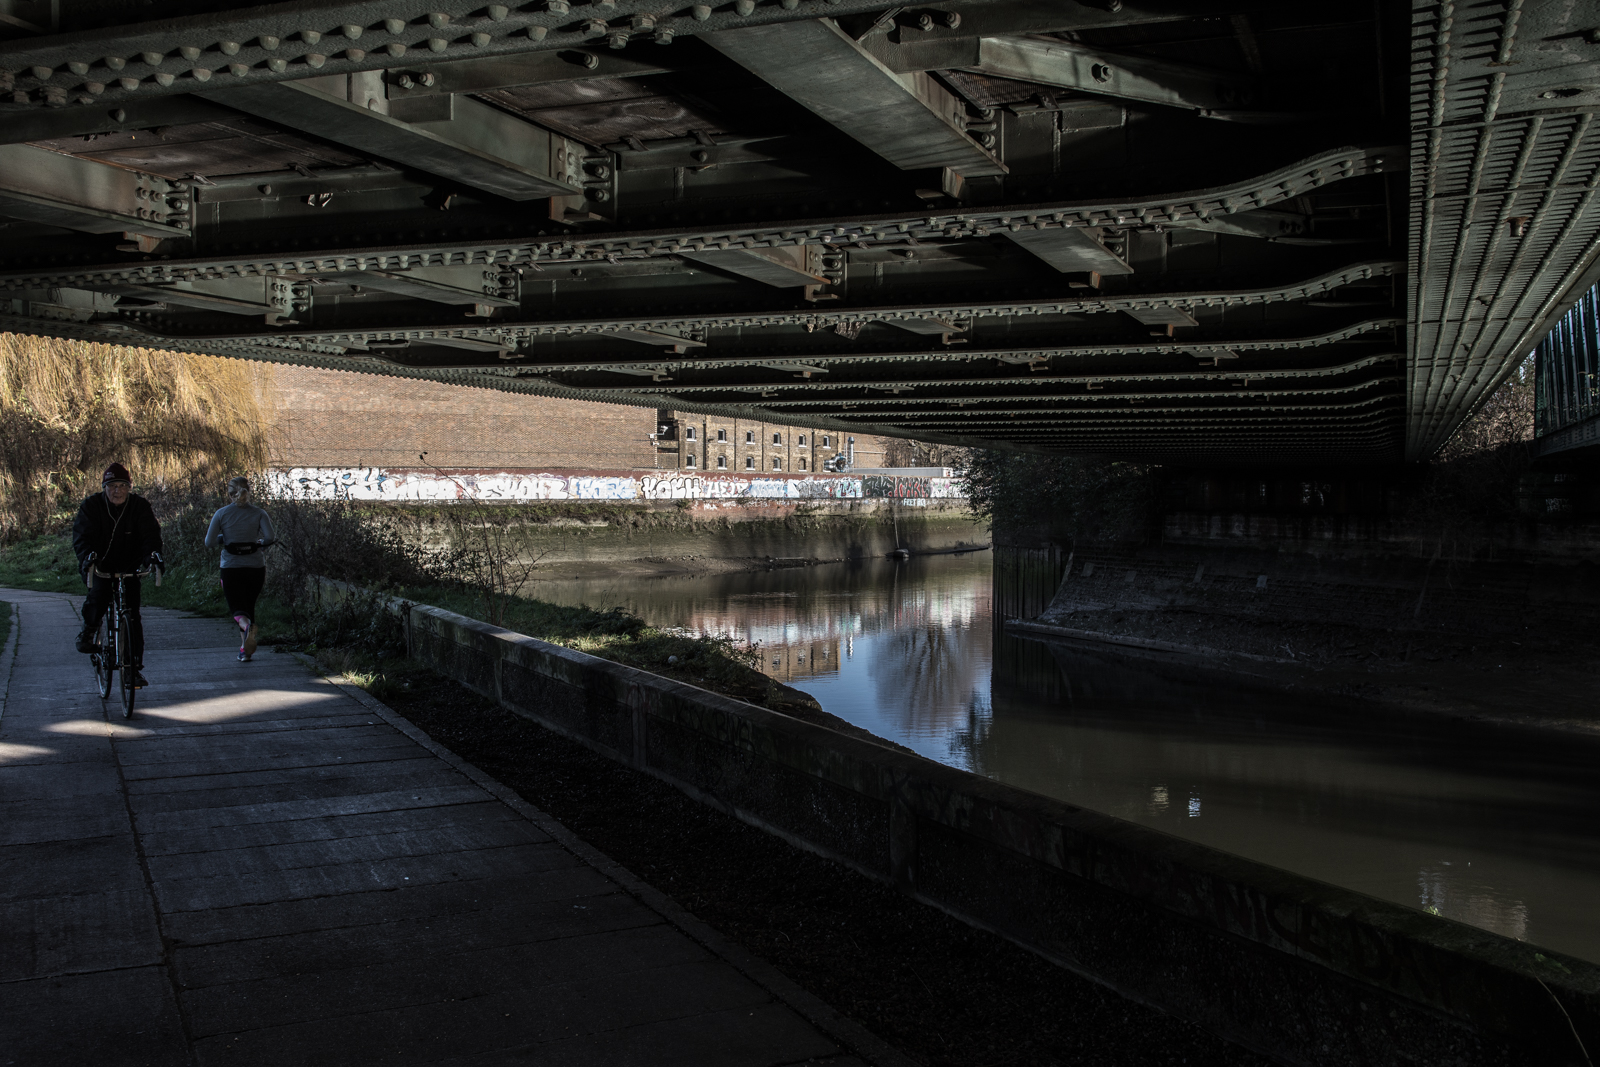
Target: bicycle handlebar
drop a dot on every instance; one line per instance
(148, 567)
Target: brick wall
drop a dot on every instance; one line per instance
(343, 419)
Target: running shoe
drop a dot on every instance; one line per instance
(249, 648)
(244, 657)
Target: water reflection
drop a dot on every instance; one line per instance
(899, 648)
(1458, 819)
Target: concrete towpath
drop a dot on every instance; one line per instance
(263, 867)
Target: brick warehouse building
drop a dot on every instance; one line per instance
(339, 419)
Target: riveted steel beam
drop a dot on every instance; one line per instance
(87, 195)
(445, 285)
(939, 43)
(910, 120)
(781, 267)
(276, 42)
(511, 71)
(1039, 382)
(295, 185)
(1052, 414)
(907, 401)
(1034, 357)
(21, 126)
(1138, 416)
(468, 142)
(274, 299)
(887, 230)
(1069, 250)
(823, 318)
(1064, 65)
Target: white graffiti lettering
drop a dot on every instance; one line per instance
(374, 483)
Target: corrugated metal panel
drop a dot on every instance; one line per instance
(1505, 221)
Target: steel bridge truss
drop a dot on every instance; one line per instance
(1167, 229)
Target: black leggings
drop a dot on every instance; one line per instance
(241, 585)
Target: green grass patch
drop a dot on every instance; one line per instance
(612, 634)
(713, 663)
(43, 563)
(191, 584)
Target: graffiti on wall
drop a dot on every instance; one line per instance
(377, 484)
(733, 487)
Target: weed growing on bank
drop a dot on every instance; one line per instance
(67, 408)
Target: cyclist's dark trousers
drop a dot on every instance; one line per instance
(241, 585)
(99, 599)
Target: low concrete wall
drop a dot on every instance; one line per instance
(1304, 972)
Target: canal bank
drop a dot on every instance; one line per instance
(1205, 935)
(1503, 631)
(578, 540)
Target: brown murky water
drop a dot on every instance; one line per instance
(1477, 824)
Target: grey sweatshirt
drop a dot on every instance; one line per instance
(235, 523)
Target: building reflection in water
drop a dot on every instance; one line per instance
(898, 647)
(1451, 818)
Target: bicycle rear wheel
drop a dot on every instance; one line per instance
(105, 659)
(125, 665)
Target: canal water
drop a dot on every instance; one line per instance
(1474, 823)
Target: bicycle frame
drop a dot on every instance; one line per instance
(115, 654)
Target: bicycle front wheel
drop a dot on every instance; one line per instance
(105, 659)
(125, 665)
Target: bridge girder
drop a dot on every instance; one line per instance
(1173, 229)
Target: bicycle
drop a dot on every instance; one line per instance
(113, 642)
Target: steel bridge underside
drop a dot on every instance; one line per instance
(1236, 232)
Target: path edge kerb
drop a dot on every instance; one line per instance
(841, 1028)
(8, 658)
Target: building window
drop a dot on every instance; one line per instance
(777, 464)
(688, 433)
(802, 463)
(801, 441)
(722, 435)
(688, 461)
(749, 437)
(749, 463)
(826, 441)
(722, 462)
(777, 438)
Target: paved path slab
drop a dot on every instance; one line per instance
(264, 867)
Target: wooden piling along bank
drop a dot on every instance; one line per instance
(1302, 971)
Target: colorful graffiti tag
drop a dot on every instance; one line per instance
(375, 483)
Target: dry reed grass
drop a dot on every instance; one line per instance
(68, 408)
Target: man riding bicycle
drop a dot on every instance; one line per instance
(115, 532)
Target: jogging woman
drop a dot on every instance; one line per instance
(242, 530)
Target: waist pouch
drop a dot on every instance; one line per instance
(242, 548)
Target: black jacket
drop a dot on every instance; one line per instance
(123, 537)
